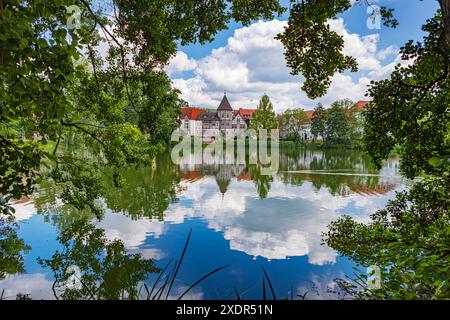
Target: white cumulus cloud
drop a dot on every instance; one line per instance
(180, 63)
(252, 63)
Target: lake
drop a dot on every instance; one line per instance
(236, 215)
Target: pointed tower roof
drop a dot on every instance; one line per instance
(225, 105)
(223, 185)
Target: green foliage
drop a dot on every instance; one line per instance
(18, 163)
(159, 115)
(356, 125)
(262, 182)
(334, 160)
(154, 188)
(107, 271)
(155, 26)
(12, 248)
(36, 65)
(264, 117)
(56, 88)
(312, 49)
(292, 121)
(80, 184)
(49, 99)
(409, 240)
(411, 109)
(338, 123)
(318, 122)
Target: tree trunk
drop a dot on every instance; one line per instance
(445, 7)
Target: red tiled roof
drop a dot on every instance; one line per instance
(362, 105)
(191, 175)
(191, 113)
(380, 189)
(244, 176)
(309, 114)
(246, 113)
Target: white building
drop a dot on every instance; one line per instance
(198, 122)
(190, 121)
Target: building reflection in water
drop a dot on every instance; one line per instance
(344, 172)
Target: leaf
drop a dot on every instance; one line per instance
(42, 43)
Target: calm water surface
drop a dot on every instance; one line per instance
(238, 217)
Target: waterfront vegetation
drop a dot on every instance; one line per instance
(81, 130)
(340, 126)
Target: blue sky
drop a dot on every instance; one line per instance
(410, 13)
(240, 62)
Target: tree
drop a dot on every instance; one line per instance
(409, 239)
(292, 122)
(264, 117)
(445, 7)
(337, 122)
(411, 109)
(155, 188)
(319, 122)
(308, 33)
(356, 123)
(262, 182)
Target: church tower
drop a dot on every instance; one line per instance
(225, 114)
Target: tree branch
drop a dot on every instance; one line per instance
(117, 42)
(93, 136)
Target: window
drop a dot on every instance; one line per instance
(238, 120)
(186, 124)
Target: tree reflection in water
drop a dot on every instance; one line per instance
(107, 271)
(12, 248)
(144, 192)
